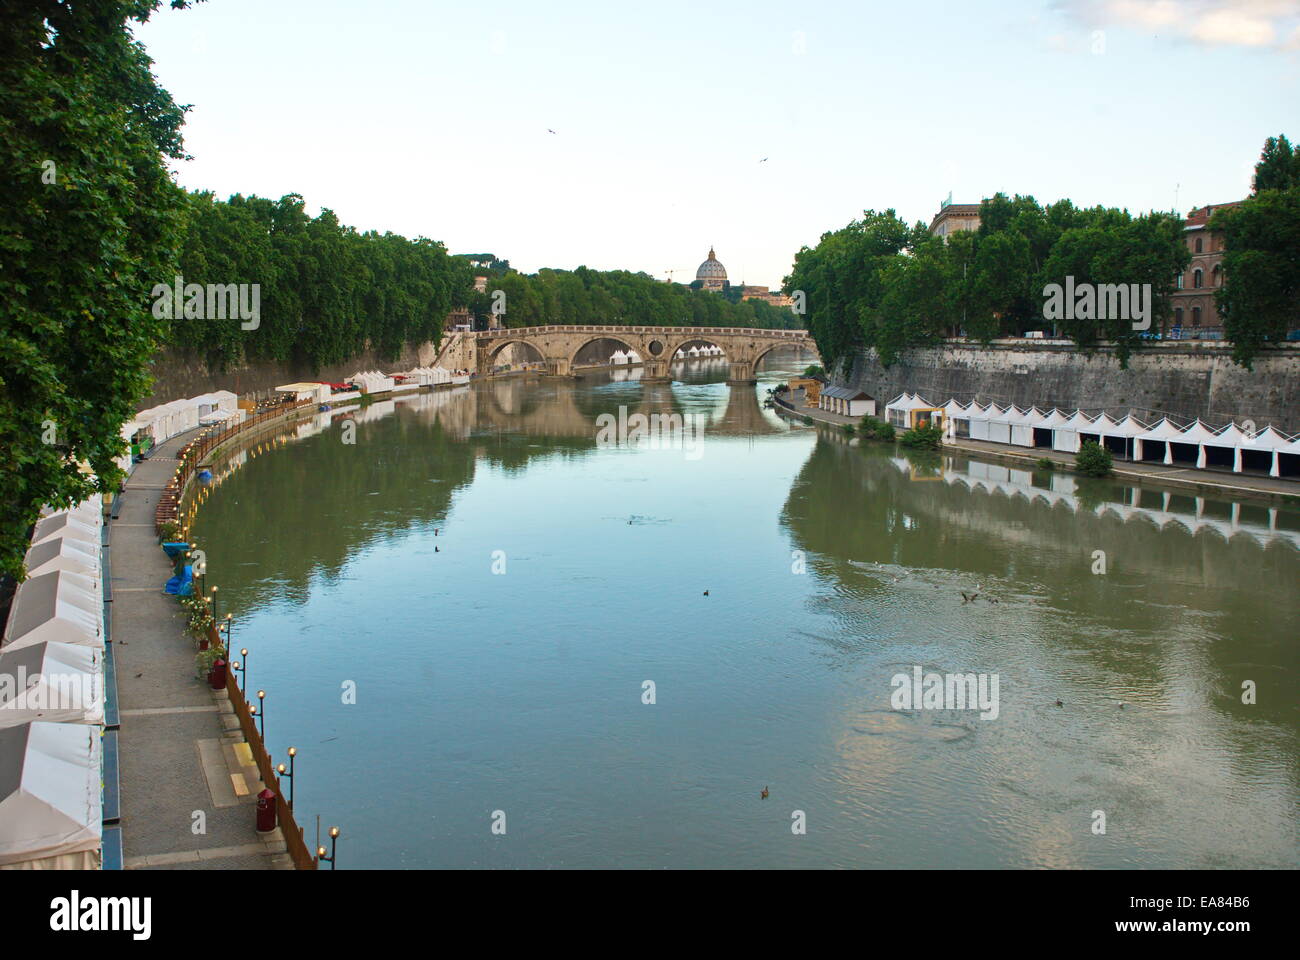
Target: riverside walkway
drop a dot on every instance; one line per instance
(1209, 482)
(187, 796)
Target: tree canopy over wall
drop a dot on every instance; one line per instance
(878, 283)
(585, 296)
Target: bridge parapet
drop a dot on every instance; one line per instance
(559, 344)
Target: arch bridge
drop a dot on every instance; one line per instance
(743, 347)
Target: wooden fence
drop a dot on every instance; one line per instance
(169, 502)
(303, 857)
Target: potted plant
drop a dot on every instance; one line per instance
(205, 659)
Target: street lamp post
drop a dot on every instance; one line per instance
(293, 752)
(320, 851)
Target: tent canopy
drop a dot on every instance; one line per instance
(57, 682)
(50, 804)
(60, 606)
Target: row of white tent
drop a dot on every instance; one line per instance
(372, 381)
(52, 699)
(1066, 432)
(434, 376)
(163, 422)
(708, 350)
(619, 356)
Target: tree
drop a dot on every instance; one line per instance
(1278, 167)
(1260, 296)
(89, 223)
(1093, 460)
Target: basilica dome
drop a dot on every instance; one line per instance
(711, 269)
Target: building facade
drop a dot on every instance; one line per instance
(955, 218)
(1193, 313)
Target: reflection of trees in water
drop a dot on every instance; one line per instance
(851, 503)
(304, 509)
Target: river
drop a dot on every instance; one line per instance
(493, 585)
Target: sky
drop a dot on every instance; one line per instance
(751, 127)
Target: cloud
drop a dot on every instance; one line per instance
(1214, 23)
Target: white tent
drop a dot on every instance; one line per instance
(1269, 441)
(89, 512)
(980, 417)
(1066, 436)
(1163, 432)
(51, 807)
(63, 553)
(58, 682)
(1198, 435)
(58, 606)
(1000, 425)
(898, 410)
(66, 525)
(618, 356)
(1127, 430)
(954, 411)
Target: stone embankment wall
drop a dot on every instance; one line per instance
(1181, 380)
(177, 377)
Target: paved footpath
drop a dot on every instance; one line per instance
(180, 752)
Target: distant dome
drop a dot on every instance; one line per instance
(711, 269)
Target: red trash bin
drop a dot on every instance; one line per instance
(217, 675)
(266, 811)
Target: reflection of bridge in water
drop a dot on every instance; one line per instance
(558, 346)
(559, 409)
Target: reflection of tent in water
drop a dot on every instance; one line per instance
(50, 804)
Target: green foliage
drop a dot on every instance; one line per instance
(89, 221)
(878, 284)
(922, 438)
(169, 531)
(204, 659)
(815, 370)
(841, 282)
(328, 292)
(1279, 165)
(586, 296)
(1261, 260)
(1046, 463)
(873, 429)
(1093, 460)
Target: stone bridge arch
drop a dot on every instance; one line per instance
(559, 346)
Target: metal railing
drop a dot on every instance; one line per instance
(169, 502)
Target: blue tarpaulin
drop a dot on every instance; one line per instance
(183, 585)
(173, 550)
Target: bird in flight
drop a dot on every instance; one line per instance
(549, 130)
(764, 160)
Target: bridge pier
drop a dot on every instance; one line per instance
(655, 371)
(741, 372)
(558, 367)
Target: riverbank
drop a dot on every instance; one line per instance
(1209, 483)
(181, 803)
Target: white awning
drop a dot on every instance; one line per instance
(57, 682)
(58, 606)
(51, 810)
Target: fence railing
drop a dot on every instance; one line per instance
(169, 501)
(294, 841)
